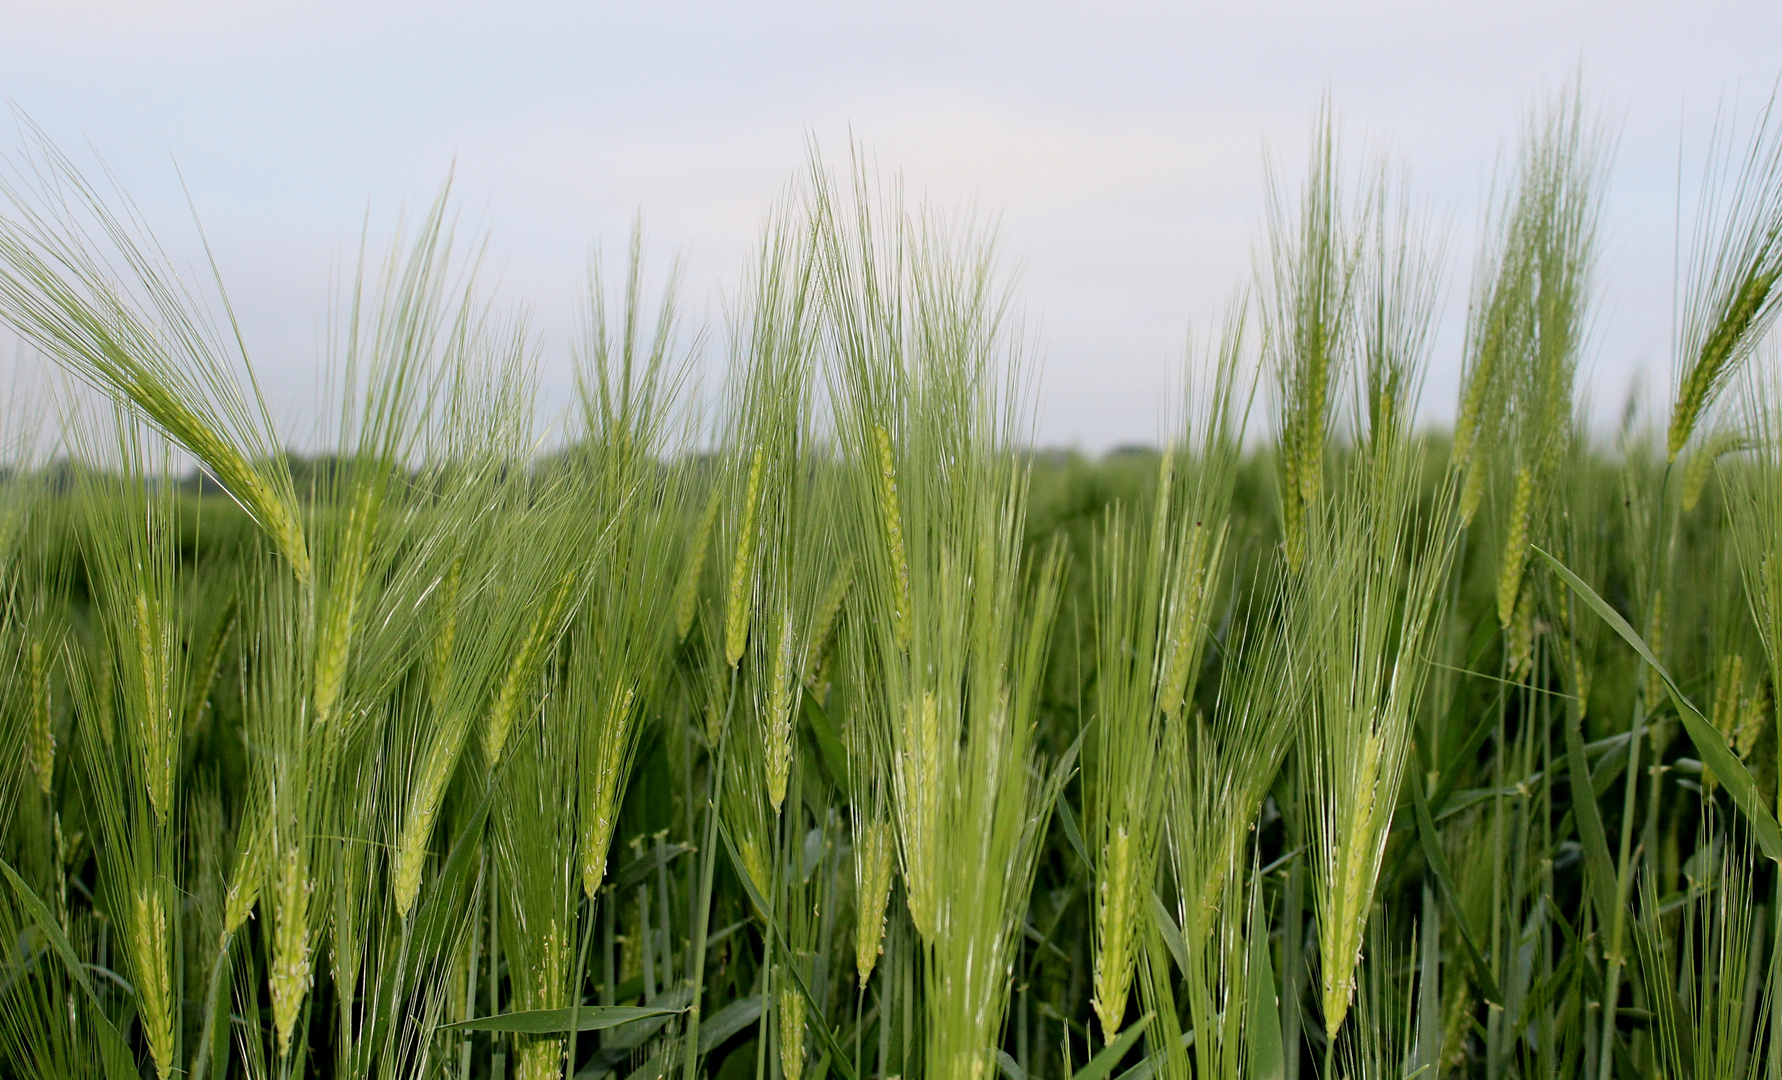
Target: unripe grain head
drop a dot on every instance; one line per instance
(149, 942)
(737, 608)
(686, 603)
(249, 873)
(600, 789)
(524, 669)
(919, 784)
(791, 1013)
(1515, 558)
(423, 804)
(1725, 343)
(1357, 864)
(1754, 717)
(781, 696)
(290, 969)
(41, 750)
(891, 515)
(873, 850)
(1116, 914)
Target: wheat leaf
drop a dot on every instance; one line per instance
(1073, 832)
(1170, 932)
(1590, 822)
(839, 1057)
(550, 1021)
(1268, 1058)
(1708, 742)
(829, 746)
(1438, 866)
(114, 1052)
(1103, 1063)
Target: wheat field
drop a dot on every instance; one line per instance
(797, 717)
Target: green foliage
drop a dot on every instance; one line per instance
(825, 726)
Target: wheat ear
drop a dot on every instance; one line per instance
(742, 566)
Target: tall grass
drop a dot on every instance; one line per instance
(809, 721)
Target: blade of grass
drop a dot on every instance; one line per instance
(1268, 1057)
(1102, 1064)
(831, 753)
(838, 1054)
(114, 1054)
(1438, 866)
(1590, 822)
(1172, 934)
(551, 1021)
(1728, 769)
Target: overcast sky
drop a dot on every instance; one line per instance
(1121, 145)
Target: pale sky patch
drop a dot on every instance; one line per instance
(1119, 145)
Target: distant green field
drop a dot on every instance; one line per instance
(830, 729)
